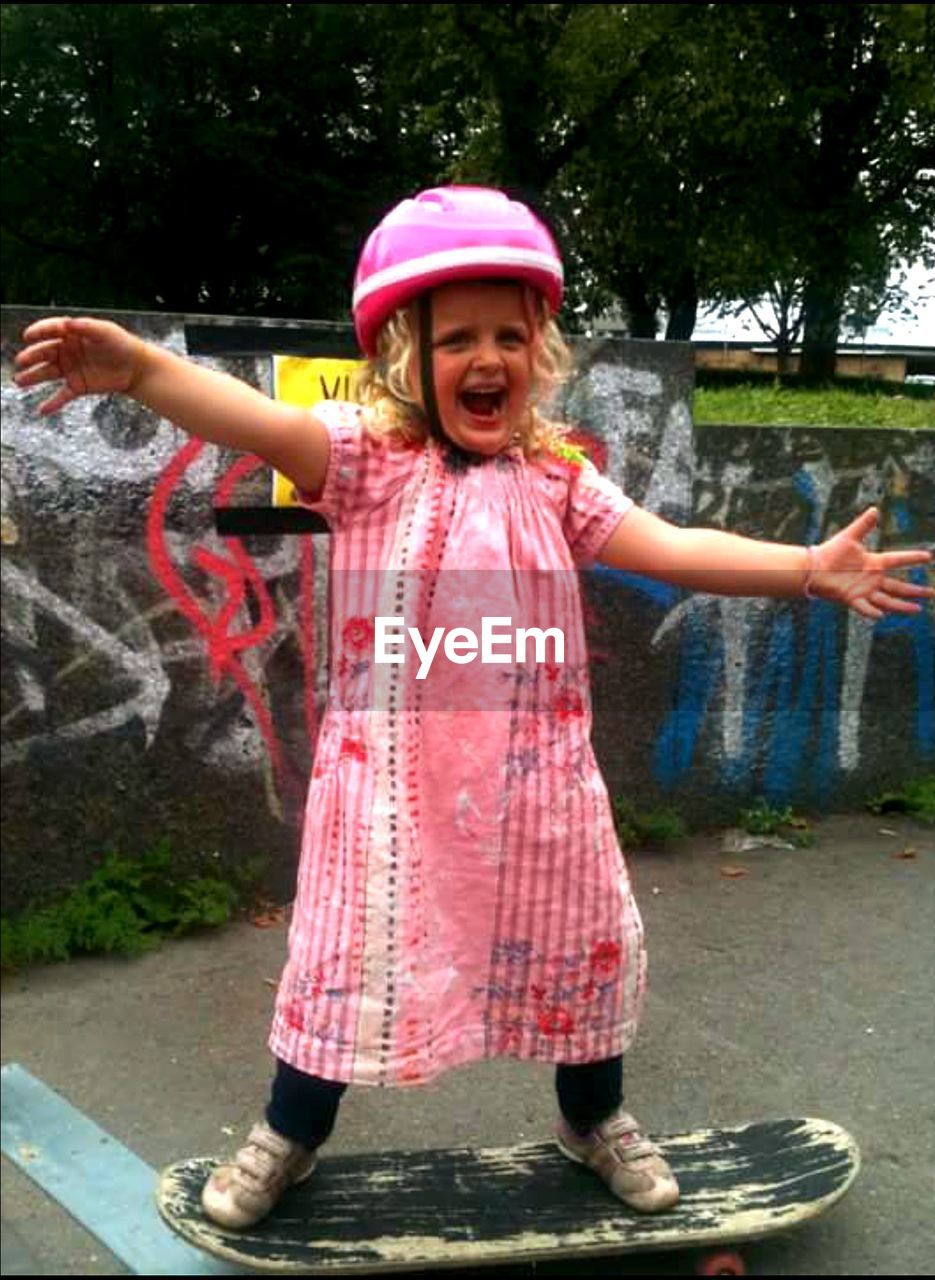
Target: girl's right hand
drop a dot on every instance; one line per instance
(87, 356)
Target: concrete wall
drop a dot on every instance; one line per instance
(161, 681)
(869, 364)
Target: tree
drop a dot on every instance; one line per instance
(862, 110)
(218, 158)
(561, 103)
(779, 315)
(766, 144)
(231, 157)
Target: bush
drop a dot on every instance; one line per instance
(127, 906)
(639, 830)
(916, 798)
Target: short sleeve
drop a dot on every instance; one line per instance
(364, 468)
(595, 506)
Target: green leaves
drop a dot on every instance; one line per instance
(640, 829)
(231, 158)
(916, 798)
(126, 906)
(152, 151)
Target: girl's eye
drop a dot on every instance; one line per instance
(512, 339)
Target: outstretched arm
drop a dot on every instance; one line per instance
(88, 356)
(842, 569)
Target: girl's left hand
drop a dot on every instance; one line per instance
(844, 570)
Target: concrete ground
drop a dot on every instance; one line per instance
(802, 987)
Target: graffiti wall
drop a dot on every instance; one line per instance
(799, 702)
(163, 681)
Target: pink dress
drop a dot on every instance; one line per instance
(461, 893)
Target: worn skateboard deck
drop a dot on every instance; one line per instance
(466, 1208)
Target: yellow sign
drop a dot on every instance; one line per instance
(305, 381)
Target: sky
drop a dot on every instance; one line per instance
(890, 330)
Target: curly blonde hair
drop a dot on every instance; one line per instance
(384, 384)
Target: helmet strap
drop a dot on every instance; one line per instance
(426, 371)
(458, 458)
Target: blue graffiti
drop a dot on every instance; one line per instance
(792, 703)
(900, 516)
(804, 485)
(660, 593)
(796, 705)
(918, 627)
(791, 718)
(701, 666)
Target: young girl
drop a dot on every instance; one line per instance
(461, 891)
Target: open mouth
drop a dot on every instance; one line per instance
(483, 404)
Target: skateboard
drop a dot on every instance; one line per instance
(396, 1211)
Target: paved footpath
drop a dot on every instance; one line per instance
(801, 987)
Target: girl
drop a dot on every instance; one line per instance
(461, 891)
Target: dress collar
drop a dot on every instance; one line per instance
(458, 460)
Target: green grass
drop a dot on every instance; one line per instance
(770, 404)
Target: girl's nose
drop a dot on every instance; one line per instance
(487, 353)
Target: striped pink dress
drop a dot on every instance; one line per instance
(461, 892)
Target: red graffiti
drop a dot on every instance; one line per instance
(239, 579)
(594, 447)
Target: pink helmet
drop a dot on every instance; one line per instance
(447, 234)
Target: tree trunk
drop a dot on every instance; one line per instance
(823, 304)
(682, 306)
(639, 306)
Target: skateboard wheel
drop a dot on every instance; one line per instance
(721, 1264)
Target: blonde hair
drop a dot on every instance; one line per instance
(384, 384)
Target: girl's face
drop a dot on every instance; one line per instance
(482, 348)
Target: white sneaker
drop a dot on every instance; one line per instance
(627, 1161)
(239, 1194)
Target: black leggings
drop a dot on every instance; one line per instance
(304, 1108)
